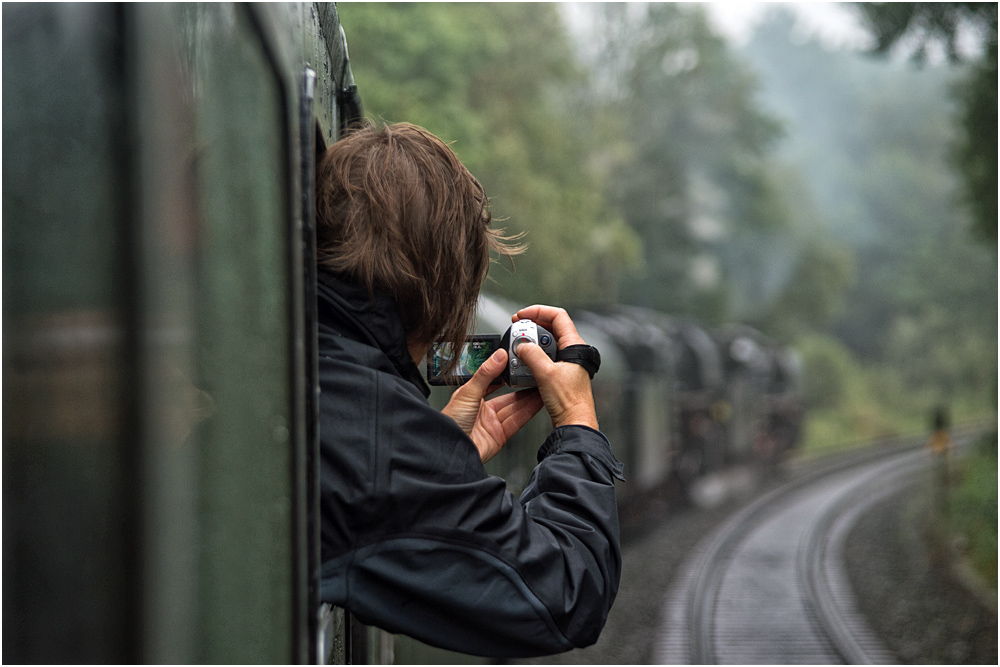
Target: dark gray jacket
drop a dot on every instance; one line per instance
(418, 539)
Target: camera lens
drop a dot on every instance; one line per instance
(544, 340)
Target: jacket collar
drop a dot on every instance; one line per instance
(353, 312)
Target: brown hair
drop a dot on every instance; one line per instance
(396, 211)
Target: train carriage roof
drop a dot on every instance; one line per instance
(697, 360)
(645, 347)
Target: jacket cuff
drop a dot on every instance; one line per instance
(585, 440)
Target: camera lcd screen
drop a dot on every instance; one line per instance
(473, 353)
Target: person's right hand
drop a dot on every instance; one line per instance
(564, 386)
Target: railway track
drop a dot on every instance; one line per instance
(770, 585)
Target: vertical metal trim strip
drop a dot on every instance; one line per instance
(132, 446)
(307, 160)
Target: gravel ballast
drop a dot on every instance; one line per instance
(922, 614)
(907, 591)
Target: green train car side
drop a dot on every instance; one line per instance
(156, 329)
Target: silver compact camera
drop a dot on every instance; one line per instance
(479, 348)
(517, 373)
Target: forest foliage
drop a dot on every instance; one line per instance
(498, 81)
(814, 193)
(915, 27)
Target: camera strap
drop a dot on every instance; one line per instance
(585, 355)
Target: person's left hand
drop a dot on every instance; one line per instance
(491, 423)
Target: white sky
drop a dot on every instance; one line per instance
(835, 23)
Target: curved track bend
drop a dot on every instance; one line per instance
(770, 585)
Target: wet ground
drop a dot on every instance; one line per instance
(655, 543)
(910, 596)
(923, 615)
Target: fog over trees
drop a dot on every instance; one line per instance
(825, 196)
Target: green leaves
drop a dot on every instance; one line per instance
(498, 80)
(693, 174)
(919, 26)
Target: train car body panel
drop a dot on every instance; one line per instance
(67, 340)
(153, 201)
(647, 405)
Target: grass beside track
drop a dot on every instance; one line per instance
(972, 503)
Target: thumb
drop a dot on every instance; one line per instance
(487, 371)
(534, 356)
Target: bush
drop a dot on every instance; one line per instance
(848, 403)
(974, 507)
(828, 369)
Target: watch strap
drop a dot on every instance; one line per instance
(585, 355)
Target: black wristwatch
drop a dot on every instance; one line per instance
(585, 355)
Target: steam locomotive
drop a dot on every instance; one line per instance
(677, 401)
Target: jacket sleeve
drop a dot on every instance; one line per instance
(571, 497)
(473, 569)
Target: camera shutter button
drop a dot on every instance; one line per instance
(517, 342)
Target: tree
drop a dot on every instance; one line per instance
(813, 295)
(870, 143)
(934, 23)
(499, 81)
(686, 153)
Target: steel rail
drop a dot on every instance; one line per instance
(821, 560)
(855, 483)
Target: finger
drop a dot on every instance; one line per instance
(509, 404)
(539, 313)
(499, 403)
(536, 313)
(556, 320)
(485, 374)
(535, 357)
(516, 415)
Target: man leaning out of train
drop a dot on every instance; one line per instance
(416, 537)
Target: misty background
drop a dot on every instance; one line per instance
(783, 178)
